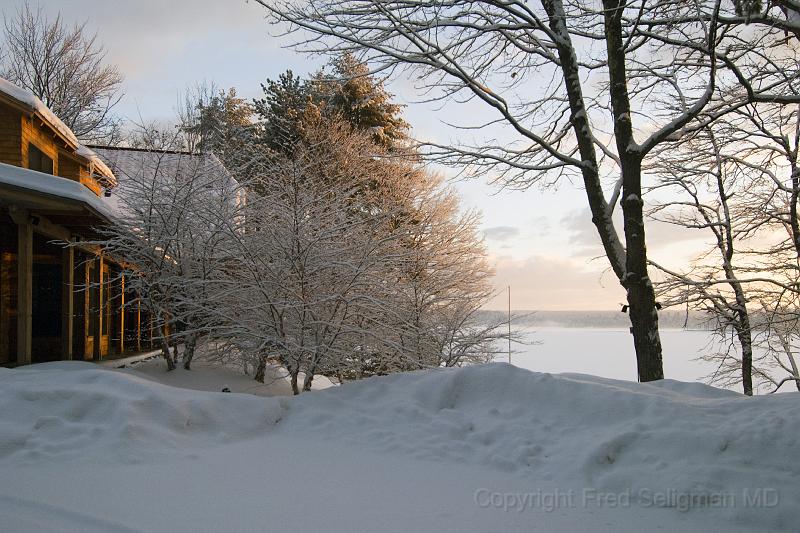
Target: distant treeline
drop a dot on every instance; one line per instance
(598, 319)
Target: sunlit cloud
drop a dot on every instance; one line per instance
(553, 283)
(501, 233)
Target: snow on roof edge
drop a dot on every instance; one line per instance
(48, 184)
(96, 162)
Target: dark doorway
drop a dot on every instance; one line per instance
(46, 301)
(8, 290)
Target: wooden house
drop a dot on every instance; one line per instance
(56, 301)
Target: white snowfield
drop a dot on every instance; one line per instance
(489, 448)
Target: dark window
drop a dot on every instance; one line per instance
(37, 160)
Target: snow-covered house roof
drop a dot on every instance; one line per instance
(131, 164)
(35, 106)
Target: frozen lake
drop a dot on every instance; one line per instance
(609, 352)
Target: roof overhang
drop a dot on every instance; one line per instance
(62, 201)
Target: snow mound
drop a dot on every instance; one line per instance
(668, 438)
(564, 432)
(79, 411)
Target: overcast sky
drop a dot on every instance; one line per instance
(542, 243)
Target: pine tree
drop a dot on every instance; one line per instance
(346, 90)
(220, 124)
(362, 100)
(280, 111)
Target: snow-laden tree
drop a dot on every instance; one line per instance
(310, 260)
(65, 68)
(174, 212)
(353, 262)
(215, 121)
(571, 89)
(345, 88)
(738, 183)
(442, 280)
(339, 256)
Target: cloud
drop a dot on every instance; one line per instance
(541, 226)
(585, 242)
(501, 233)
(163, 46)
(549, 283)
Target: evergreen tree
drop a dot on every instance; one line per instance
(346, 90)
(281, 110)
(219, 122)
(361, 100)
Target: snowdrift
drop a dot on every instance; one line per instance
(566, 431)
(73, 411)
(672, 439)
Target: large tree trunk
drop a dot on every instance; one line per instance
(293, 375)
(307, 380)
(590, 170)
(636, 280)
(641, 296)
(794, 221)
(746, 343)
(631, 271)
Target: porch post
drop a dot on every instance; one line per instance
(138, 325)
(121, 314)
(21, 218)
(97, 285)
(67, 301)
(24, 289)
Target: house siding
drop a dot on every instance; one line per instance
(10, 135)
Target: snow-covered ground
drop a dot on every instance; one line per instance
(488, 448)
(208, 376)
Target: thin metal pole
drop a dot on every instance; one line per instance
(509, 324)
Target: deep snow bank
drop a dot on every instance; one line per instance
(668, 444)
(68, 411)
(569, 432)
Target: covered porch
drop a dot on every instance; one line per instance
(59, 301)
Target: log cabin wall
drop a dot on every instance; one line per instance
(69, 167)
(10, 136)
(8, 289)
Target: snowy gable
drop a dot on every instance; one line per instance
(96, 163)
(35, 105)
